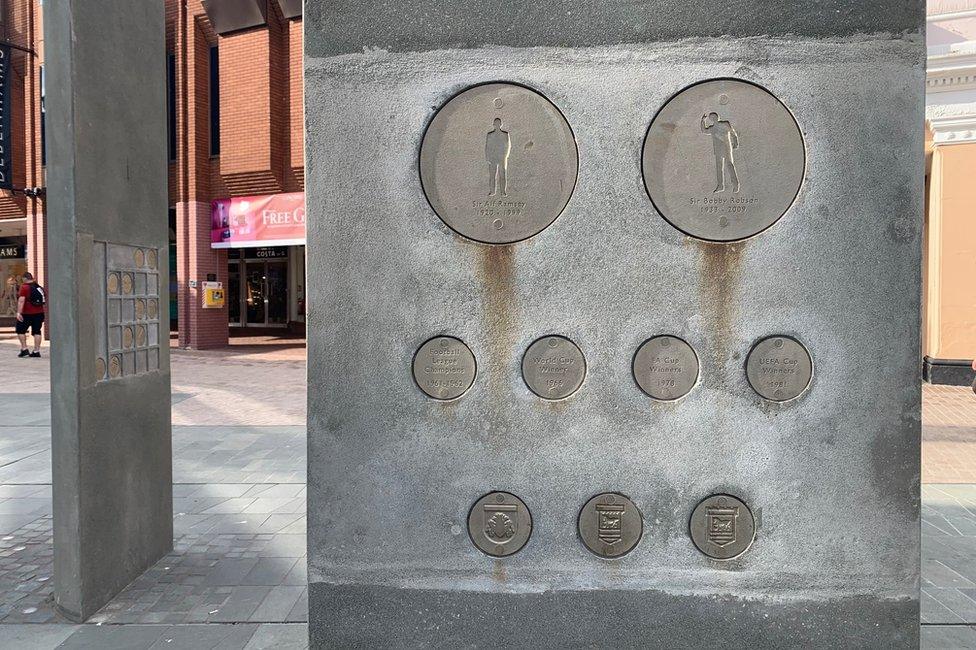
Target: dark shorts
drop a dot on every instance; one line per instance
(32, 322)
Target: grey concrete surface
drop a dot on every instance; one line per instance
(343, 27)
(106, 181)
(833, 477)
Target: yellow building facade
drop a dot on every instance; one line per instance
(949, 256)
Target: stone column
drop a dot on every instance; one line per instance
(717, 208)
(108, 247)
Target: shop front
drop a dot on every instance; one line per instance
(265, 236)
(13, 264)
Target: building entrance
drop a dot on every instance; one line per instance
(257, 292)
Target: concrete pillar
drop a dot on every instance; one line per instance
(750, 479)
(108, 247)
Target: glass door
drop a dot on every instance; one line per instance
(276, 292)
(255, 297)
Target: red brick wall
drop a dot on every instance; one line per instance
(23, 28)
(261, 137)
(261, 127)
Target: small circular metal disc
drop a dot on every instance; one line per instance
(722, 527)
(127, 337)
(115, 366)
(723, 160)
(153, 308)
(553, 367)
(665, 367)
(779, 368)
(127, 283)
(151, 258)
(141, 335)
(498, 163)
(444, 368)
(99, 369)
(499, 524)
(139, 257)
(610, 525)
(113, 283)
(140, 309)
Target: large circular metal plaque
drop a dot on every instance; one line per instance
(553, 367)
(444, 368)
(610, 525)
(722, 527)
(498, 163)
(665, 367)
(499, 524)
(723, 160)
(779, 368)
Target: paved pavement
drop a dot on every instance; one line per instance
(236, 577)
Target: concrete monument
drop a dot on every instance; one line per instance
(699, 206)
(110, 382)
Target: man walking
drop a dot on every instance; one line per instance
(30, 314)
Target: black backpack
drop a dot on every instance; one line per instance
(37, 296)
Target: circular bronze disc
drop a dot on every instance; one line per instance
(127, 283)
(127, 337)
(141, 335)
(722, 527)
(113, 283)
(553, 367)
(153, 308)
(444, 368)
(610, 525)
(499, 524)
(779, 368)
(665, 367)
(140, 309)
(151, 258)
(498, 163)
(723, 160)
(139, 257)
(115, 366)
(99, 369)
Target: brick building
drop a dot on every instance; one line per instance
(236, 173)
(22, 227)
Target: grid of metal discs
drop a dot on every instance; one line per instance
(723, 160)
(131, 328)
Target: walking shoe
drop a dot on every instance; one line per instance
(35, 354)
(24, 353)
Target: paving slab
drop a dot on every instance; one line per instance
(288, 636)
(34, 637)
(948, 637)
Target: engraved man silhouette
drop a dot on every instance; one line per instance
(498, 145)
(724, 141)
